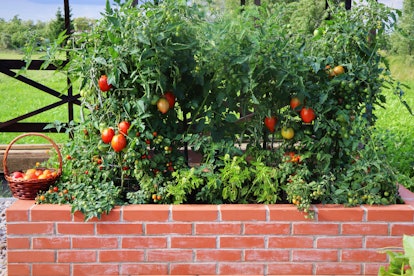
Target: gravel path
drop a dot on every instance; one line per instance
(4, 203)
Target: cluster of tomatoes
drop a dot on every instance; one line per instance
(118, 141)
(32, 174)
(307, 114)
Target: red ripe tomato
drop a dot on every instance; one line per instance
(163, 105)
(170, 98)
(307, 114)
(107, 135)
(270, 123)
(123, 127)
(103, 83)
(17, 175)
(118, 142)
(294, 103)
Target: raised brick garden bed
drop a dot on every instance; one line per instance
(205, 239)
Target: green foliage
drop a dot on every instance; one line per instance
(16, 34)
(402, 38)
(57, 25)
(401, 263)
(228, 71)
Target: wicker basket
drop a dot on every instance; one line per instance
(28, 189)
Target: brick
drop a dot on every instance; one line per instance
(399, 229)
(242, 242)
(362, 255)
(193, 242)
(18, 243)
(51, 269)
(243, 212)
(290, 242)
(95, 269)
(397, 212)
(267, 228)
(338, 268)
(194, 213)
(382, 242)
(119, 228)
(218, 228)
(339, 242)
(19, 210)
(289, 268)
(94, 242)
(144, 269)
(119, 256)
(170, 255)
(31, 256)
(192, 268)
(50, 212)
(168, 228)
(266, 255)
(114, 215)
(76, 256)
(146, 212)
(314, 255)
(285, 212)
(18, 269)
(144, 242)
(75, 228)
(365, 229)
(337, 212)
(315, 228)
(222, 255)
(51, 242)
(38, 228)
(244, 268)
(373, 268)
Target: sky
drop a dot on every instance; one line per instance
(45, 10)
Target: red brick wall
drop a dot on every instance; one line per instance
(204, 239)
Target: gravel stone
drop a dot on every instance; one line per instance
(4, 204)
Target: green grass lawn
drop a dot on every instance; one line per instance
(18, 98)
(395, 123)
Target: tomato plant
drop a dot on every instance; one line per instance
(221, 74)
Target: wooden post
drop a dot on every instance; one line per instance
(70, 89)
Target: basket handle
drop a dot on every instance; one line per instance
(6, 153)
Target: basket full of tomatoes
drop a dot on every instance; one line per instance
(27, 184)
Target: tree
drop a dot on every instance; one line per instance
(403, 38)
(57, 25)
(307, 15)
(83, 24)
